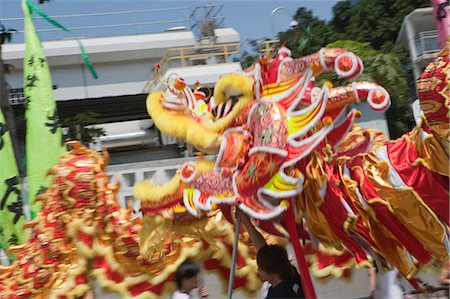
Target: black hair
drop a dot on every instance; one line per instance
(273, 259)
(187, 269)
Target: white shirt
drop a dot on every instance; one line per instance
(388, 285)
(179, 295)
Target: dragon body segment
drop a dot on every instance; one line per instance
(280, 142)
(81, 236)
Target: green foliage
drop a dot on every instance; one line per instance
(5, 34)
(376, 21)
(385, 69)
(250, 53)
(381, 67)
(247, 59)
(341, 16)
(79, 127)
(309, 36)
(369, 28)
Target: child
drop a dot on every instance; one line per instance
(186, 277)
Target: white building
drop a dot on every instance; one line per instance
(125, 68)
(418, 34)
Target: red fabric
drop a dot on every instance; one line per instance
(432, 188)
(324, 260)
(305, 278)
(258, 162)
(139, 288)
(430, 85)
(80, 279)
(240, 262)
(114, 276)
(384, 216)
(336, 215)
(341, 130)
(87, 239)
(213, 264)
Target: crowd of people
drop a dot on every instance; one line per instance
(282, 280)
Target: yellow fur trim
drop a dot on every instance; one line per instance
(232, 85)
(147, 191)
(181, 126)
(227, 86)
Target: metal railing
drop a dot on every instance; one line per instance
(268, 46)
(426, 42)
(190, 56)
(126, 22)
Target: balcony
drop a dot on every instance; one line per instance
(184, 59)
(426, 45)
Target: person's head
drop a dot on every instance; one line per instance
(129, 202)
(273, 263)
(186, 276)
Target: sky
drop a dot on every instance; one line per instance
(251, 18)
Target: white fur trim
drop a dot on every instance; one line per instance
(200, 206)
(307, 79)
(322, 60)
(223, 144)
(355, 92)
(383, 106)
(233, 183)
(280, 66)
(394, 177)
(263, 216)
(346, 74)
(290, 179)
(319, 136)
(188, 207)
(279, 195)
(361, 65)
(192, 176)
(222, 200)
(324, 96)
(286, 50)
(258, 80)
(266, 149)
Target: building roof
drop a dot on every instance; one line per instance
(421, 20)
(101, 49)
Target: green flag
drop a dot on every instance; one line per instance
(12, 216)
(44, 141)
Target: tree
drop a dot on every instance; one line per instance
(308, 36)
(341, 16)
(384, 68)
(80, 127)
(375, 23)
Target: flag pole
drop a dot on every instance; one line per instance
(305, 278)
(234, 257)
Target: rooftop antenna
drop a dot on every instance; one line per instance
(205, 19)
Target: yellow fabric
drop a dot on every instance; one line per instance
(311, 201)
(408, 207)
(433, 153)
(388, 246)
